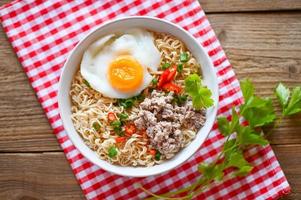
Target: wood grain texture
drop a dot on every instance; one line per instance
(37, 176)
(24, 126)
(240, 5)
(263, 46)
(48, 175)
(246, 5)
(267, 49)
(288, 157)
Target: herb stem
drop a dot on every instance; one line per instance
(276, 125)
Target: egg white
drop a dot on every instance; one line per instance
(95, 63)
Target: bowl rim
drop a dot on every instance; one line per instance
(60, 94)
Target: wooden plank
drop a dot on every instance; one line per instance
(48, 175)
(37, 176)
(246, 5)
(264, 47)
(24, 126)
(288, 156)
(240, 5)
(267, 49)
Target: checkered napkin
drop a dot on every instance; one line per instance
(42, 34)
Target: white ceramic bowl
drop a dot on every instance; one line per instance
(72, 65)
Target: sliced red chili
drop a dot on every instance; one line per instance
(171, 87)
(167, 76)
(120, 139)
(130, 129)
(111, 117)
(163, 78)
(152, 152)
(172, 73)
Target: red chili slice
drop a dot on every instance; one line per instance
(130, 129)
(171, 87)
(111, 117)
(152, 152)
(172, 73)
(167, 76)
(120, 139)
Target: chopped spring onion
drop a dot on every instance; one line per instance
(112, 152)
(180, 99)
(180, 68)
(184, 57)
(122, 116)
(96, 126)
(139, 97)
(116, 123)
(126, 103)
(157, 155)
(87, 83)
(165, 66)
(155, 81)
(117, 127)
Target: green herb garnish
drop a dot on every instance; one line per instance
(201, 95)
(112, 152)
(96, 126)
(117, 127)
(154, 81)
(180, 99)
(139, 97)
(290, 104)
(87, 83)
(157, 155)
(116, 123)
(165, 66)
(180, 68)
(258, 111)
(184, 57)
(122, 116)
(126, 103)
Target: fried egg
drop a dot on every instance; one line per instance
(117, 65)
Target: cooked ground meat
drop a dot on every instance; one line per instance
(164, 120)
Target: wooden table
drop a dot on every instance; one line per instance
(262, 39)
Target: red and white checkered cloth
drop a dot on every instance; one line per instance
(42, 33)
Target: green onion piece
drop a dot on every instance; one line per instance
(126, 103)
(112, 152)
(122, 116)
(96, 126)
(139, 97)
(182, 99)
(157, 155)
(184, 57)
(180, 68)
(165, 66)
(87, 83)
(155, 81)
(179, 99)
(120, 132)
(117, 127)
(129, 103)
(116, 123)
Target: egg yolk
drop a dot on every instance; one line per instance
(125, 73)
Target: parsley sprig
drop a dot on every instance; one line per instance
(200, 94)
(239, 135)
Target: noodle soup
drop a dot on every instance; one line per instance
(129, 101)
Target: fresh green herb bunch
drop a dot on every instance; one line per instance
(239, 134)
(200, 94)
